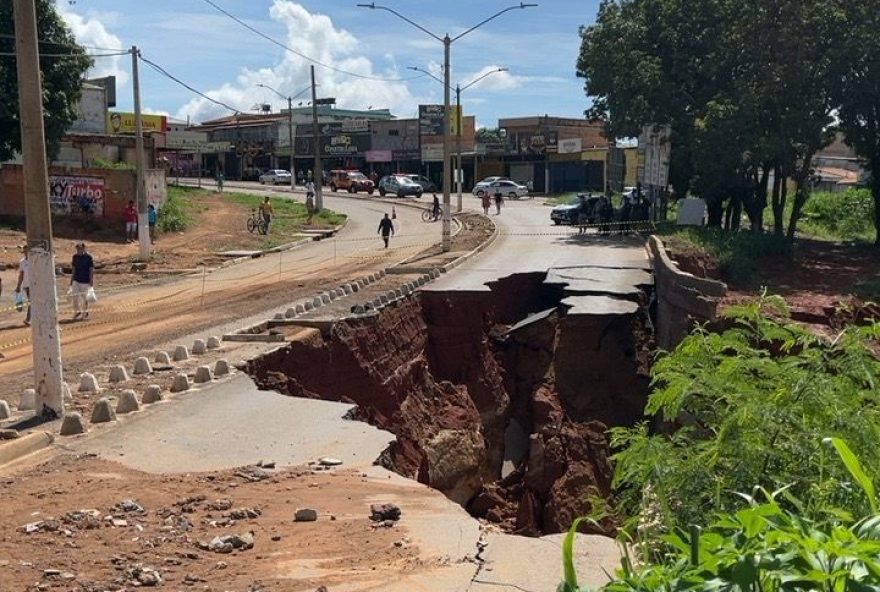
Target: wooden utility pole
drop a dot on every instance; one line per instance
(317, 176)
(48, 377)
(141, 191)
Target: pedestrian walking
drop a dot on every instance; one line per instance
(219, 178)
(487, 201)
(310, 201)
(499, 201)
(435, 208)
(152, 220)
(386, 229)
(131, 221)
(23, 287)
(82, 281)
(266, 212)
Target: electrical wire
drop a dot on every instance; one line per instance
(300, 54)
(94, 48)
(70, 55)
(165, 73)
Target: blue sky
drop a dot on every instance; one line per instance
(219, 57)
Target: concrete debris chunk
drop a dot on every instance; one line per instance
(142, 366)
(382, 512)
(129, 506)
(88, 383)
(152, 394)
(28, 400)
(118, 374)
(329, 461)
(73, 424)
(103, 411)
(305, 515)
(128, 402)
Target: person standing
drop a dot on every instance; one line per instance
(499, 200)
(131, 221)
(386, 229)
(81, 281)
(152, 220)
(266, 212)
(219, 178)
(435, 208)
(23, 287)
(486, 201)
(310, 200)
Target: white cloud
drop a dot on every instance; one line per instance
(92, 32)
(313, 35)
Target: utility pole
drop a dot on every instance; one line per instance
(290, 137)
(447, 178)
(458, 170)
(48, 377)
(141, 190)
(316, 174)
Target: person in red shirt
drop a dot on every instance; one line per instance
(131, 221)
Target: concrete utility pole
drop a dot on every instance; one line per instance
(48, 377)
(316, 174)
(447, 177)
(458, 170)
(141, 190)
(290, 138)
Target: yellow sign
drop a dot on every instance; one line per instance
(124, 123)
(455, 120)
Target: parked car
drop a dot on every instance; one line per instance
(505, 187)
(275, 177)
(485, 183)
(399, 185)
(570, 212)
(426, 183)
(351, 181)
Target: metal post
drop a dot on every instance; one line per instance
(447, 177)
(290, 138)
(46, 338)
(458, 119)
(141, 189)
(316, 175)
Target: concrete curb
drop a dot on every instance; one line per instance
(479, 249)
(27, 444)
(280, 248)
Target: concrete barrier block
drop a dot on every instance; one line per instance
(354, 287)
(221, 368)
(421, 281)
(204, 374)
(180, 383)
(332, 294)
(103, 411)
(152, 394)
(309, 305)
(66, 396)
(398, 293)
(381, 273)
(290, 313)
(200, 347)
(358, 309)
(88, 383)
(127, 402)
(5, 411)
(383, 299)
(406, 290)
(181, 353)
(28, 400)
(214, 342)
(142, 366)
(118, 374)
(325, 298)
(162, 358)
(300, 309)
(73, 424)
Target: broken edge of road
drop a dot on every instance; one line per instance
(13, 450)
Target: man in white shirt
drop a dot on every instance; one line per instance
(24, 282)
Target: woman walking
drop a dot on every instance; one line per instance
(487, 201)
(499, 201)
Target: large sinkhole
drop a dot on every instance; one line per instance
(500, 399)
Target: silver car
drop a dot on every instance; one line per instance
(505, 187)
(275, 177)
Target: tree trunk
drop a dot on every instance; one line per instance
(757, 200)
(778, 201)
(875, 192)
(801, 194)
(715, 211)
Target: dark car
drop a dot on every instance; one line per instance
(399, 185)
(569, 213)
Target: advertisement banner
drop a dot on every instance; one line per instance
(431, 120)
(654, 149)
(124, 123)
(432, 152)
(76, 196)
(455, 121)
(570, 146)
(379, 155)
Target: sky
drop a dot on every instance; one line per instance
(364, 54)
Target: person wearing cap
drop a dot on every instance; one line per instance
(24, 283)
(81, 281)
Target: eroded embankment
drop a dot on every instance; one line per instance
(499, 399)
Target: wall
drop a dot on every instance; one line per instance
(683, 299)
(82, 192)
(91, 111)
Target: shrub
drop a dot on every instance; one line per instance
(174, 215)
(843, 216)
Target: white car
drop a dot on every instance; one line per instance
(505, 187)
(486, 182)
(275, 177)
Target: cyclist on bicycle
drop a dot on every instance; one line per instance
(266, 212)
(435, 210)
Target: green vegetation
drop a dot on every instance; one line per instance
(846, 216)
(290, 216)
(103, 163)
(177, 212)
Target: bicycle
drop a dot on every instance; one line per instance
(428, 214)
(257, 223)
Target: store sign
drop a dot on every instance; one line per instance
(193, 142)
(379, 155)
(432, 152)
(431, 120)
(76, 196)
(124, 123)
(533, 144)
(570, 146)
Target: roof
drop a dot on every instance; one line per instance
(838, 175)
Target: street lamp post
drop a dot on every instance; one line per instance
(289, 129)
(458, 90)
(447, 42)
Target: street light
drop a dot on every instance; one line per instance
(447, 42)
(289, 128)
(458, 91)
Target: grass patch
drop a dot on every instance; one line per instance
(737, 253)
(290, 217)
(844, 216)
(177, 212)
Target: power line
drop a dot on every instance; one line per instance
(70, 55)
(165, 73)
(300, 54)
(119, 49)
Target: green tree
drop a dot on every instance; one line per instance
(859, 91)
(486, 135)
(62, 67)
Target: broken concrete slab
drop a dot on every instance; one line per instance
(590, 279)
(599, 306)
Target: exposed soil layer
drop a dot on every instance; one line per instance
(499, 399)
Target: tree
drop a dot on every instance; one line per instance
(63, 66)
(486, 135)
(859, 92)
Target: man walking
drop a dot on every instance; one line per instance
(386, 228)
(81, 281)
(131, 221)
(152, 220)
(23, 287)
(219, 178)
(266, 212)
